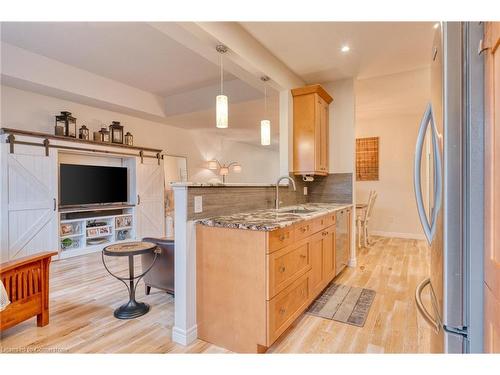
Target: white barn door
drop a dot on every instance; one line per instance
(150, 199)
(29, 201)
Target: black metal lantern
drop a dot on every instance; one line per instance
(83, 133)
(129, 139)
(65, 125)
(104, 135)
(116, 131)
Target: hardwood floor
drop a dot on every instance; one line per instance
(392, 267)
(83, 297)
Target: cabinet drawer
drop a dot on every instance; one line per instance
(280, 238)
(305, 229)
(330, 219)
(324, 221)
(285, 307)
(286, 265)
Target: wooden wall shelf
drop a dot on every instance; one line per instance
(76, 140)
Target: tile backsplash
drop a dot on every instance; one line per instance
(336, 187)
(226, 200)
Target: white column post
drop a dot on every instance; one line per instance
(184, 331)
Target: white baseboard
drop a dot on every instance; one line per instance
(412, 236)
(184, 337)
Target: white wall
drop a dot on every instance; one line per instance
(341, 126)
(30, 111)
(390, 107)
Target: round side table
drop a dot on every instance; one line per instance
(132, 309)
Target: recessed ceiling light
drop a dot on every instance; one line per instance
(345, 48)
(436, 25)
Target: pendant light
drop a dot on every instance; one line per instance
(221, 102)
(265, 125)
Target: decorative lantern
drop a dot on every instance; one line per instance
(104, 135)
(83, 133)
(116, 131)
(129, 139)
(65, 125)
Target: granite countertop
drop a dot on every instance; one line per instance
(271, 219)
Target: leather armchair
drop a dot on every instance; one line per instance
(161, 275)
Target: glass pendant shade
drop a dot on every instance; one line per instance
(265, 132)
(237, 168)
(224, 171)
(221, 109)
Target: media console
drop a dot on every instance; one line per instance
(85, 231)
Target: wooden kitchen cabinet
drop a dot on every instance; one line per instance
(328, 262)
(322, 247)
(310, 130)
(316, 277)
(251, 285)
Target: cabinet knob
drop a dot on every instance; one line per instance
(282, 237)
(282, 310)
(282, 269)
(303, 255)
(303, 229)
(324, 233)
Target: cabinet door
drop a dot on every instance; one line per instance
(329, 254)
(321, 136)
(150, 209)
(322, 142)
(304, 133)
(316, 278)
(29, 201)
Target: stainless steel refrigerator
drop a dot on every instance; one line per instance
(452, 217)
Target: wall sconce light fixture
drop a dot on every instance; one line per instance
(223, 168)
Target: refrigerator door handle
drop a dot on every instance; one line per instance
(428, 227)
(416, 173)
(438, 175)
(421, 308)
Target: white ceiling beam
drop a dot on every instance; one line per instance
(246, 59)
(251, 54)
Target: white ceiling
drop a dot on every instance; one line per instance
(312, 49)
(133, 53)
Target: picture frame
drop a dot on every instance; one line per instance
(104, 230)
(123, 221)
(66, 229)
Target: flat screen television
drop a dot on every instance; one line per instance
(90, 184)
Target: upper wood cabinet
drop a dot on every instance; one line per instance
(310, 130)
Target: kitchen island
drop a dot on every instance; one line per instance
(258, 271)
